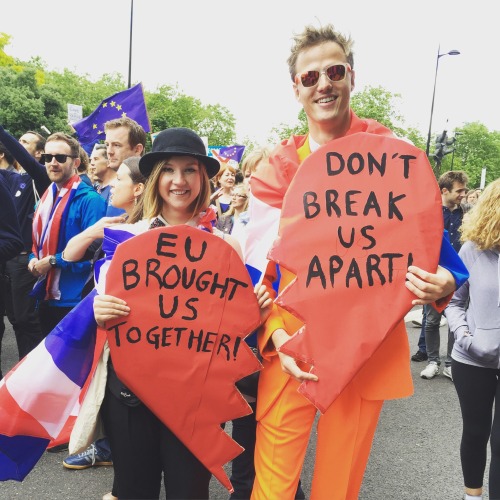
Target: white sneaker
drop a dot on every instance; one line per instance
(430, 371)
(447, 372)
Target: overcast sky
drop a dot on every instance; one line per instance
(234, 53)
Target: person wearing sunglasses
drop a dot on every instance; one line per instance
(321, 65)
(67, 207)
(235, 219)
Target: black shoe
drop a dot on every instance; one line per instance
(419, 356)
(58, 448)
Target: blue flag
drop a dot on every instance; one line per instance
(232, 152)
(128, 103)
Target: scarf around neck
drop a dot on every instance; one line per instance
(49, 218)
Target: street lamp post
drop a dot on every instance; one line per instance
(130, 44)
(450, 53)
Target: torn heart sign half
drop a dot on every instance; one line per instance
(181, 349)
(357, 213)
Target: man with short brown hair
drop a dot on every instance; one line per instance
(453, 186)
(124, 138)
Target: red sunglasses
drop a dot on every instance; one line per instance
(335, 73)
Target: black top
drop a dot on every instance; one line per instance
(10, 234)
(21, 185)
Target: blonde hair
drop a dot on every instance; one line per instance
(151, 202)
(252, 160)
(481, 224)
(239, 187)
(311, 37)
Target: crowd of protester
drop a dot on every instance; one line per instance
(90, 193)
(63, 199)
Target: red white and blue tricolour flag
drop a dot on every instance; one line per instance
(262, 230)
(40, 394)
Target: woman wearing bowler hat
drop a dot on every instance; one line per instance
(177, 192)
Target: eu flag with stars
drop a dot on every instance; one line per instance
(232, 152)
(128, 103)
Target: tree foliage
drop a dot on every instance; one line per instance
(475, 148)
(5, 60)
(81, 90)
(218, 124)
(380, 105)
(170, 107)
(31, 96)
(26, 105)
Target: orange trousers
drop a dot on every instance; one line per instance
(345, 436)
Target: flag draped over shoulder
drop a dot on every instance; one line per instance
(128, 103)
(40, 393)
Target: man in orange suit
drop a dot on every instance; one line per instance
(321, 67)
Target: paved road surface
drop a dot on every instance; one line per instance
(415, 453)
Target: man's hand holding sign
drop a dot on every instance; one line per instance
(178, 305)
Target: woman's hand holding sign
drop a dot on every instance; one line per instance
(107, 307)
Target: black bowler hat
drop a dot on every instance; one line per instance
(178, 142)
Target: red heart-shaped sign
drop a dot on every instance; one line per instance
(358, 211)
(181, 349)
